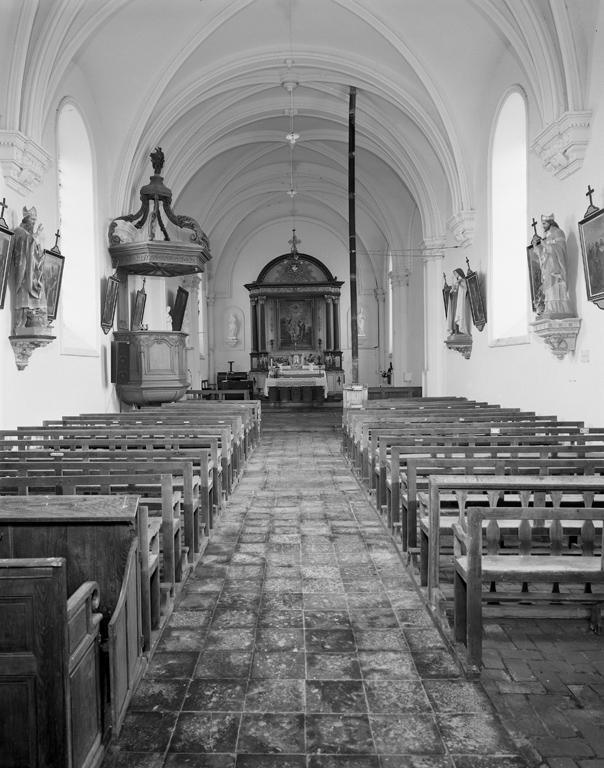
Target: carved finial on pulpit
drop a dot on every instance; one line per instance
(157, 159)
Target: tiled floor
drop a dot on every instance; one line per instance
(301, 639)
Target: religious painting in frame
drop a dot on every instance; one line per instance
(535, 281)
(138, 311)
(52, 277)
(109, 303)
(6, 237)
(178, 310)
(295, 323)
(591, 232)
(477, 307)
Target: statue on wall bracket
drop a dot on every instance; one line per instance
(556, 322)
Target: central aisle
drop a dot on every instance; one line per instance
(300, 640)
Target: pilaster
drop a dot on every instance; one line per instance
(433, 377)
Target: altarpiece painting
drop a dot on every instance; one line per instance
(295, 323)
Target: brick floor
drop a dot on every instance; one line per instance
(301, 639)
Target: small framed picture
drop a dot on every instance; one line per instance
(535, 281)
(109, 303)
(138, 311)
(52, 277)
(180, 306)
(6, 237)
(591, 232)
(477, 307)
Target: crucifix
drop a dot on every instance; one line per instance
(534, 226)
(592, 208)
(3, 205)
(55, 248)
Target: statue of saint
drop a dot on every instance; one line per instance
(459, 317)
(28, 263)
(361, 320)
(551, 251)
(232, 329)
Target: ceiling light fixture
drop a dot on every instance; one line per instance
(291, 138)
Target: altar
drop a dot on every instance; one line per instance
(285, 377)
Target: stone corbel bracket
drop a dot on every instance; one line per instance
(23, 162)
(560, 335)
(460, 342)
(562, 145)
(25, 346)
(461, 225)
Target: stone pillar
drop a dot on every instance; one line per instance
(336, 322)
(329, 322)
(399, 279)
(262, 301)
(380, 297)
(190, 326)
(433, 376)
(254, 319)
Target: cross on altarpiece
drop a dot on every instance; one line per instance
(591, 208)
(3, 205)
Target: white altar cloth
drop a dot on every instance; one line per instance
(302, 379)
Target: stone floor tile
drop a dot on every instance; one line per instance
(282, 664)
(477, 733)
(331, 696)
(330, 640)
(275, 695)
(339, 734)
(220, 695)
(268, 733)
(183, 760)
(279, 639)
(146, 731)
(388, 665)
(271, 761)
(157, 695)
(223, 664)
(406, 734)
(332, 666)
(205, 732)
(393, 696)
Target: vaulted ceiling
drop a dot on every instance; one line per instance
(204, 80)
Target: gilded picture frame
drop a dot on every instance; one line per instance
(6, 237)
(179, 308)
(109, 303)
(138, 311)
(591, 234)
(52, 277)
(535, 280)
(477, 305)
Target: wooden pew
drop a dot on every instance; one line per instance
(564, 446)
(162, 446)
(418, 468)
(449, 496)
(478, 565)
(79, 528)
(156, 491)
(50, 707)
(381, 438)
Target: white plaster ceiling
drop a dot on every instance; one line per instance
(203, 79)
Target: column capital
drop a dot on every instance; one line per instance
(328, 299)
(380, 294)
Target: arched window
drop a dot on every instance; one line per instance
(509, 281)
(79, 301)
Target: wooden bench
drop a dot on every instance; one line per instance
(156, 491)
(200, 449)
(415, 471)
(50, 707)
(449, 496)
(481, 567)
(570, 446)
(98, 537)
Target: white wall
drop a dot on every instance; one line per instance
(529, 375)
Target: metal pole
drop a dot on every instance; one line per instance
(352, 238)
